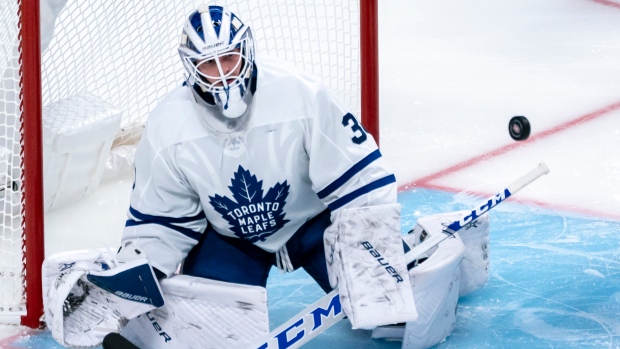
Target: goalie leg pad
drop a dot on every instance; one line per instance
(476, 261)
(437, 277)
(202, 313)
(474, 269)
(366, 261)
(435, 283)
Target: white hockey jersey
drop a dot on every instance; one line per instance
(298, 152)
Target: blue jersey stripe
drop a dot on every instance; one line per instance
(174, 220)
(361, 191)
(355, 169)
(187, 232)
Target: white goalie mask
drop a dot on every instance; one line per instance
(217, 51)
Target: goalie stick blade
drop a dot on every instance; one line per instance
(116, 341)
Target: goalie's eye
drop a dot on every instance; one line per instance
(208, 63)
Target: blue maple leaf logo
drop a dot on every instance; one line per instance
(251, 215)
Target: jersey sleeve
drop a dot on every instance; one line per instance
(165, 217)
(346, 166)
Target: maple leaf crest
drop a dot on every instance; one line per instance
(251, 215)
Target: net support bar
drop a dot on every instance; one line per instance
(369, 58)
(32, 179)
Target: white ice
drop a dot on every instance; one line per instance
(452, 74)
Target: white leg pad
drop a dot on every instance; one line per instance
(435, 286)
(440, 280)
(475, 265)
(366, 260)
(475, 236)
(202, 313)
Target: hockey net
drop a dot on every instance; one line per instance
(124, 53)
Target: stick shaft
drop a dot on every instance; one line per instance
(528, 178)
(306, 325)
(493, 201)
(328, 310)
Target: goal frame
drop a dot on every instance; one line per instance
(32, 143)
(32, 161)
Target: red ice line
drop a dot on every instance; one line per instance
(425, 182)
(555, 207)
(608, 3)
(7, 343)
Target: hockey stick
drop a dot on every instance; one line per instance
(306, 325)
(116, 341)
(493, 201)
(327, 311)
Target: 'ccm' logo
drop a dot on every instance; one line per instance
(306, 324)
(382, 261)
(479, 211)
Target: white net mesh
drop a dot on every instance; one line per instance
(124, 52)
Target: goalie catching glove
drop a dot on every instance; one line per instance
(88, 294)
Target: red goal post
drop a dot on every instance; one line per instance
(124, 52)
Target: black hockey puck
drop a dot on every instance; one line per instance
(519, 128)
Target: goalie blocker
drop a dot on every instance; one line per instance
(89, 294)
(366, 261)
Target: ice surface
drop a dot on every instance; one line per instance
(452, 75)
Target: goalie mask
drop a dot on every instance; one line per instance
(217, 51)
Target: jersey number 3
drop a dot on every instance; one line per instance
(358, 130)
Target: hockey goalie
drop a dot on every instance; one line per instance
(250, 163)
